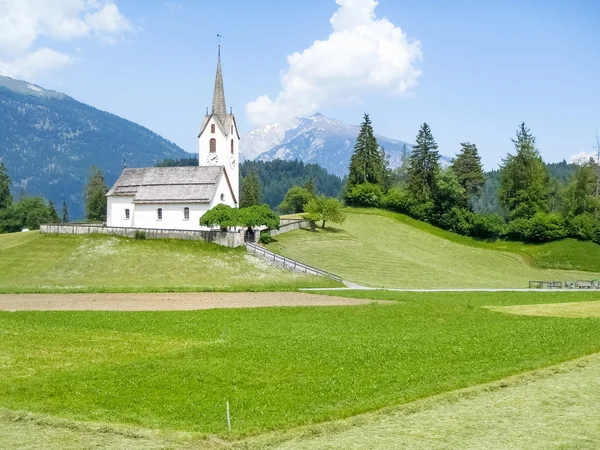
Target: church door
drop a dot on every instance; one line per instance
(249, 236)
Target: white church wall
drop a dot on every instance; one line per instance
(146, 216)
(223, 194)
(204, 143)
(115, 211)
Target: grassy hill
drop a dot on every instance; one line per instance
(383, 249)
(32, 262)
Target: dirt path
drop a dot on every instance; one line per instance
(180, 301)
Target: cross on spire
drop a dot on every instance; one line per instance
(219, 43)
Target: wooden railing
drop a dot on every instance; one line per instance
(288, 263)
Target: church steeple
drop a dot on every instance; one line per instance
(218, 104)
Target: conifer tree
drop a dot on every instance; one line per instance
(310, 186)
(468, 170)
(52, 213)
(95, 196)
(65, 213)
(524, 181)
(5, 197)
(250, 194)
(366, 163)
(424, 166)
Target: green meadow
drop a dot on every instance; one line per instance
(34, 262)
(279, 368)
(383, 249)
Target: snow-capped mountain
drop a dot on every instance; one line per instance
(315, 139)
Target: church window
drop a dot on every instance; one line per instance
(212, 128)
(186, 213)
(222, 197)
(232, 146)
(159, 213)
(231, 129)
(213, 145)
(127, 213)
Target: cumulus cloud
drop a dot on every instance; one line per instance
(22, 22)
(363, 53)
(582, 157)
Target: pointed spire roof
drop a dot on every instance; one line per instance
(218, 104)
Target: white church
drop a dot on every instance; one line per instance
(175, 198)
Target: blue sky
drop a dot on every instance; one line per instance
(479, 69)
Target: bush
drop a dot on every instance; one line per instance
(423, 211)
(366, 194)
(488, 226)
(585, 227)
(540, 228)
(398, 200)
(265, 237)
(139, 234)
(457, 220)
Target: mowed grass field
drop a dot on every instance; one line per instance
(32, 262)
(382, 249)
(278, 367)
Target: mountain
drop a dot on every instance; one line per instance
(48, 141)
(315, 139)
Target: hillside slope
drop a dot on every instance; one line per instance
(32, 262)
(48, 141)
(375, 249)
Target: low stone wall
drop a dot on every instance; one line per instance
(288, 225)
(225, 238)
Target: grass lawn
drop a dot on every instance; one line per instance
(34, 262)
(278, 367)
(382, 249)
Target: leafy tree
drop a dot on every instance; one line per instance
(366, 194)
(95, 196)
(386, 173)
(295, 200)
(399, 175)
(424, 166)
(250, 194)
(524, 178)
(450, 192)
(5, 197)
(53, 214)
(221, 215)
(29, 213)
(325, 210)
(579, 195)
(366, 163)
(65, 212)
(258, 216)
(468, 170)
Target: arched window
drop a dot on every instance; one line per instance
(213, 145)
(159, 213)
(212, 128)
(127, 213)
(231, 129)
(222, 197)
(232, 146)
(186, 213)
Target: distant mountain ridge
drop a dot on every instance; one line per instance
(48, 141)
(315, 139)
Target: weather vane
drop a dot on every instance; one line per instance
(219, 42)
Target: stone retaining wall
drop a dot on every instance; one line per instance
(225, 238)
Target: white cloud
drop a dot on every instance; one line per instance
(22, 22)
(36, 63)
(362, 54)
(581, 157)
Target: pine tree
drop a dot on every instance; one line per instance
(53, 214)
(387, 174)
(65, 213)
(310, 186)
(366, 164)
(579, 195)
(5, 197)
(524, 181)
(468, 170)
(250, 194)
(424, 166)
(95, 196)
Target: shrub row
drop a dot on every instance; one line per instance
(540, 228)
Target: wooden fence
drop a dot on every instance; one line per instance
(289, 263)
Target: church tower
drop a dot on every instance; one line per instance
(219, 140)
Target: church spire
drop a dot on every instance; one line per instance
(218, 104)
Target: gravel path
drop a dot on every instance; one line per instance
(167, 301)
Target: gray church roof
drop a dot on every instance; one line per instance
(169, 184)
(218, 105)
